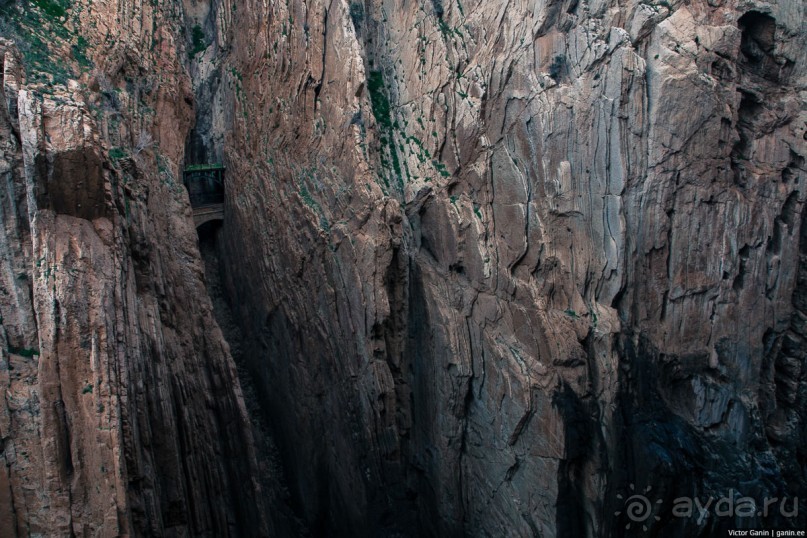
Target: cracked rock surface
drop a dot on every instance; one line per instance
(491, 265)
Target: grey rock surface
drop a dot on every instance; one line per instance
(492, 263)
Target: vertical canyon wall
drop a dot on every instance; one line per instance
(121, 412)
(497, 261)
(492, 263)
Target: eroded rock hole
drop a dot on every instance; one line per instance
(758, 31)
(757, 47)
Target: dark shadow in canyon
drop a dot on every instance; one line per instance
(272, 477)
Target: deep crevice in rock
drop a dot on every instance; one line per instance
(272, 478)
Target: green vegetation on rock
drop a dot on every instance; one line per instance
(23, 351)
(38, 28)
(199, 44)
(382, 114)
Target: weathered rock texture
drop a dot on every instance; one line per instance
(492, 263)
(121, 412)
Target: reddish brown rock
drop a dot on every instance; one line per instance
(489, 264)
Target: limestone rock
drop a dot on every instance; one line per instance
(491, 264)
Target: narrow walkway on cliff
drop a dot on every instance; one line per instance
(205, 184)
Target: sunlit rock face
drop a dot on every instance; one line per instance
(482, 267)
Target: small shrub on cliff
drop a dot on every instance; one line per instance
(357, 14)
(144, 142)
(117, 153)
(53, 8)
(557, 66)
(80, 53)
(198, 41)
(23, 352)
(379, 100)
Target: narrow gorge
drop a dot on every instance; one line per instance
(402, 267)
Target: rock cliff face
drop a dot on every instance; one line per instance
(489, 265)
(121, 413)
